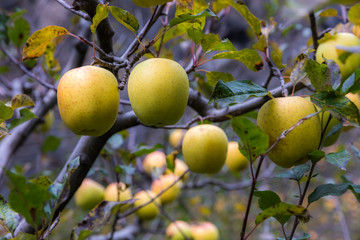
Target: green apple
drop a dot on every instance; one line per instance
(150, 210)
(89, 194)
(280, 114)
(328, 50)
(204, 148)
(155, 161)
(175, 137)
(150, 3)
(88, 100)
(178, 230)
(204, 230)
(158, 91)
(235, 160)
(164, 181)
(118, 192)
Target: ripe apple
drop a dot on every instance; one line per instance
(204, 230)
(162, 183)
(280, 114)
(180, 168)
(89, 194)
(178, 230)
(328, 50)
(204, 148)
(150, 3)
(117, 192)
(176, 137)
(88, 100)
(155, 161)
(149, 211)
(158, 91)
(235, 160)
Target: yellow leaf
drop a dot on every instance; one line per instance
(21, 100)
(36, 44)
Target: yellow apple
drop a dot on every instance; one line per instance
(88, 100)
(280, 114)
(176, 137)
(328, 50)
(149, 211)
(155, 161)
(158, 91)
(118, 192)
(164, 182)
(204, 230)
(204, 148)
(178, 230)
(235, 160)
(150, 3)
(180, 168)
(89, 194)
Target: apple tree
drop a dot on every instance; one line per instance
(183, 119)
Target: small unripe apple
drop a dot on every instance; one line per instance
(235, 160)
(164, 182)
(180, 168)
(88, 100)
(149, 211)
(158, 91)
(328, 50)
(89, 194)
(118, 192)
(204, 148)
(204, 230)
(176, 137)
(150, 3)
(280, 114)
(178, 230)
(155, 161)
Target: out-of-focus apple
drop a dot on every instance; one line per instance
(155, 161)
(178, 230)
(150, 210)
(164, 182)
(118, 192)
(89, 194)
(204, 230)
(176, 137)
(235, 160)
(88, 100)
(180, 168)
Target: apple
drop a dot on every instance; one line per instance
(162, 183)
(204, 230)
(154, 162)
(158, 91)
(88, 100)
(178, 230)
(355, 98)
(89, 194)
(149, 211)
(204, 148)
(175, 137)
(235, 160)
(328, 50)
(180, 168)
(150, 3)
(280, 114)
(118, 192)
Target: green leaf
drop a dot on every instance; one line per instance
(326, 190)
(5, 112)
(128, 169)
(356, 151)
(195, 34)
(253, 141)
(353, 14)
(25, 236)
(213, 77)
(9, 219)
(339, 159)
(25, 115)
(212, 42)
(125, 18)
(240, 7)
(3, 26)
(352, 84)
(296, 173)
(330, 12)
(338, 105)
(51, 143)
(249, 57)
(305, 236)
(188, 17)
(316, 156)
(21, 100)
(277, 56)
(115, 141)
(142, 150)
(236, 91)
(28, 198)
(18, 31)
(323, 77)
(102, 12)
(283, 208)
(261, 44)
(42, 181)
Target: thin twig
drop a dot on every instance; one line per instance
(313, 29)
(71, 9)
